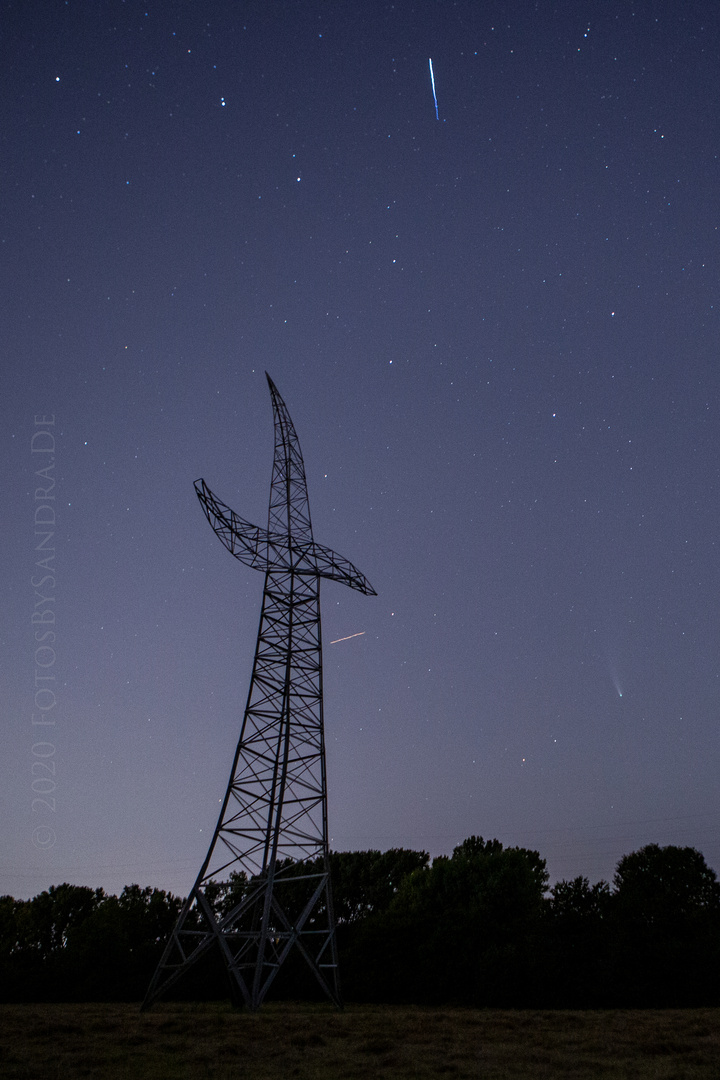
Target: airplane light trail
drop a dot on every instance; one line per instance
(360, 634)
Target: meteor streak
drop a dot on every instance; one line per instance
(359, 634)
(432, 80)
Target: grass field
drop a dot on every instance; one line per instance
(190, 1042)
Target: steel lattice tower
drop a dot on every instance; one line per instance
(270, 845)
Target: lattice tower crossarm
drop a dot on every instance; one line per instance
(264, 887)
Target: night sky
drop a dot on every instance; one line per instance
(497, 335)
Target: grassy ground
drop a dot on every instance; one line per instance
(190, 1042)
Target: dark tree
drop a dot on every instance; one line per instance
(667, 928)
(578, 925)
(465, 930)
(113, 953)
(76, 943)
(365, 882)
(35, 935)
(475, 928)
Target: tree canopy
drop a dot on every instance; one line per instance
(478, 927)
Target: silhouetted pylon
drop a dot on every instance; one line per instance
(264, 887)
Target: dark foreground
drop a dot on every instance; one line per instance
(185, 1042)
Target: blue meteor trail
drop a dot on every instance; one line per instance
(432, 80)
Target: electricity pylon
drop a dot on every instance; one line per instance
(264, 886)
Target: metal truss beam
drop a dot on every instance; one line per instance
(264, 887)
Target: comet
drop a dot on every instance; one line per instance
(337, 639)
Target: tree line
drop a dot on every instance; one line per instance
(479, 927)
